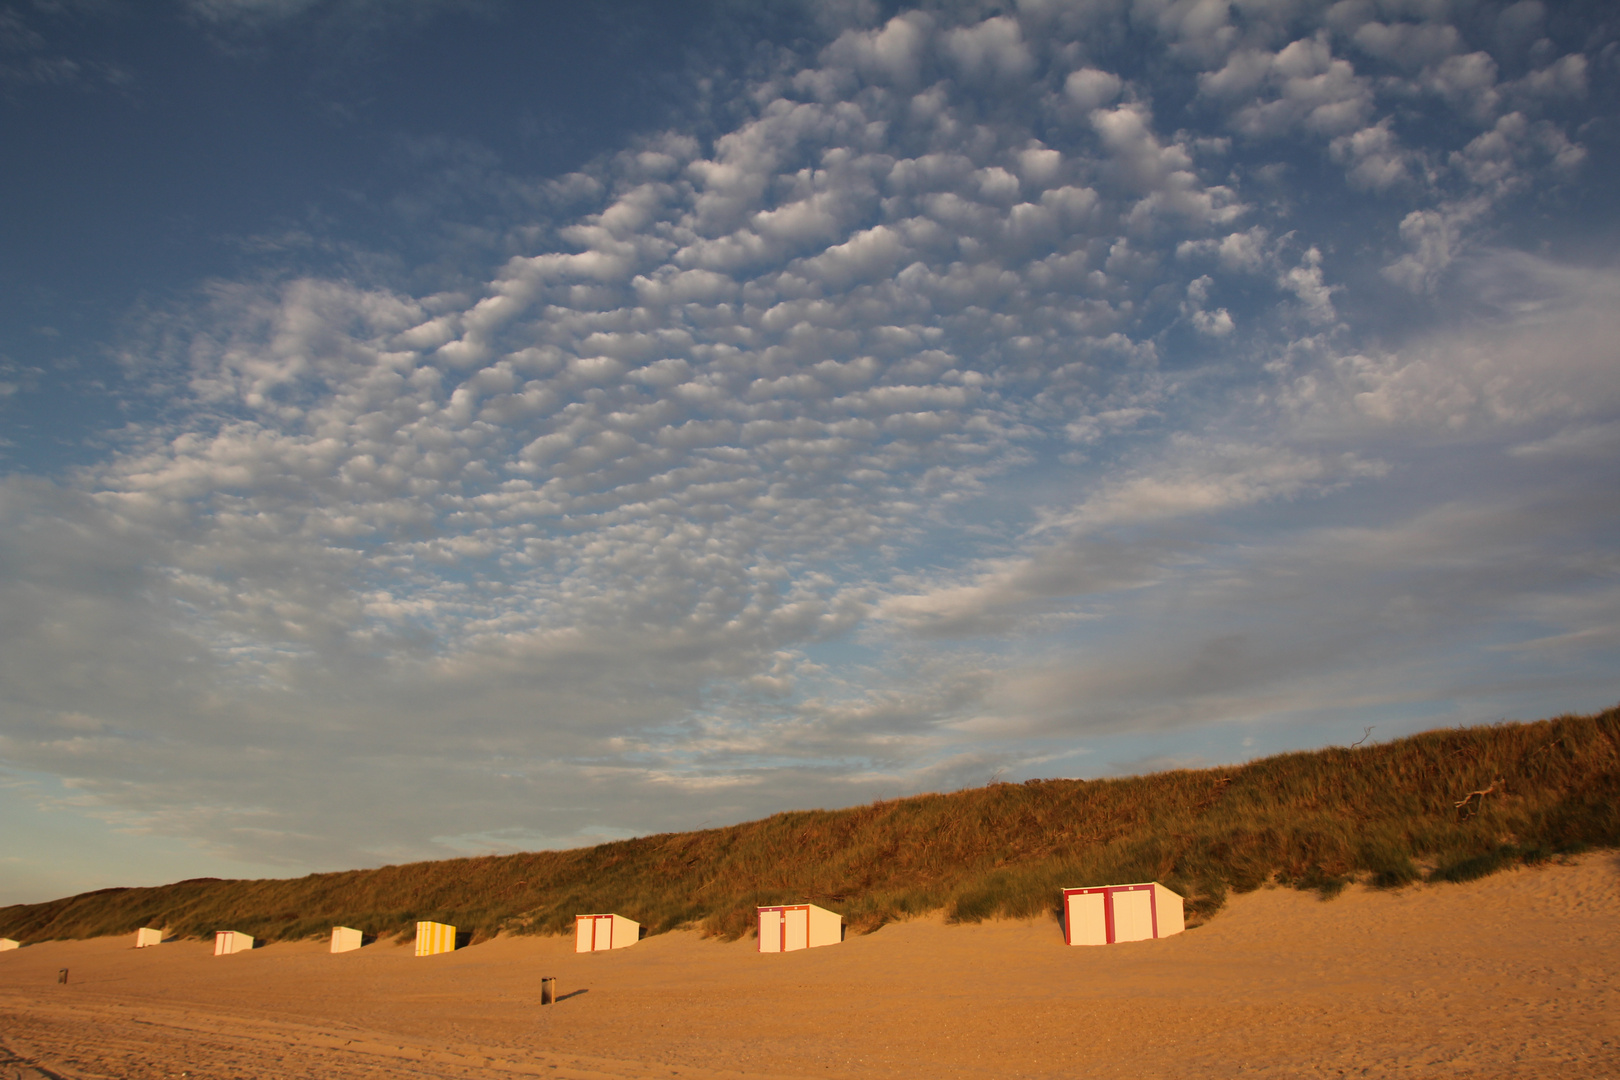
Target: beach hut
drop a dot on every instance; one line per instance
(7, 944)
(346, 939)
(433, 938)
(1108, 914)
(785, 927)
(227, 942)
(598, 933)
(148, 936)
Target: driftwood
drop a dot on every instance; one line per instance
(1462, 802)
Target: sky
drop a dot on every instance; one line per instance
(437, 428)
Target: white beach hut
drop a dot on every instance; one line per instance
(1108, 914)
(148, 936)
(786, 927)
(433, 938)
(7, 944)
(598, 933)
(346, 939)
(227, 942)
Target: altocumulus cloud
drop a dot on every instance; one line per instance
(988, 385)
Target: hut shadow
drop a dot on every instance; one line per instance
(463, 938)
(571, 994)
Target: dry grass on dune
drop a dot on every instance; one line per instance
(1385, 813)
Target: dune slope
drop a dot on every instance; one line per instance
(1453, 804)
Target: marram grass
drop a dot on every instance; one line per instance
(1387, 814)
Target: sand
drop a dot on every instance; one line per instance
(1514, 976)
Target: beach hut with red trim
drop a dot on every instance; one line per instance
(227, 942)
(1110, 914)
(599, 933)
(786, 927)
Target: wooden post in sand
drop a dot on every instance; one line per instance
(61, 976)
(548, 991)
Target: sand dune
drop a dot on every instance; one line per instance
(1514, 976)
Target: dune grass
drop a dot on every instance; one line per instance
(1388, 814)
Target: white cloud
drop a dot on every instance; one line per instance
(893, 53)
(1171, 190)
(1306, 283)
(1412, 46)
(1565, 77)
(1467, 82)
(1374, 157)
(1217, 323)
(1541, 356)
(1300, 87)
(1091, 559)
(1200, 30)
(994, 50)
(1436, 239)
(1205, 647)
(1090, 88)
(1586, 440)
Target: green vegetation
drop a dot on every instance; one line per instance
(1387, 814)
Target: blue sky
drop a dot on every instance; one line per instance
(433, 428)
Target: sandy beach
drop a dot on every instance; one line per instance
(1514, 976)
